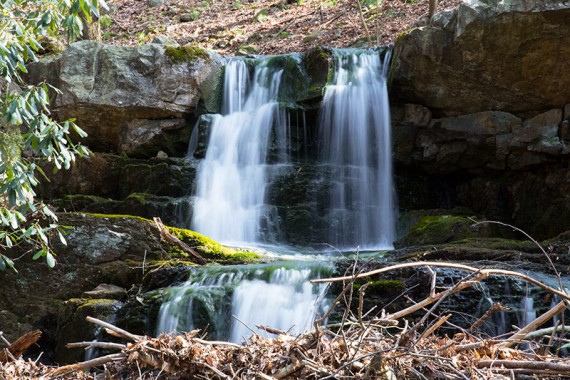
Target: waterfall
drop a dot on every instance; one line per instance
(356, 143)
(231, 179)
(250, 139)
(231, 301)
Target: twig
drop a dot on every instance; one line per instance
(550, 262)
(451, 265)
(3, 338)
(104, 345)
(524, 364)
(492, 310)
(433, 276)
(216, 343)
(366, 31)
(271, 330)
(87, 364)
(361, 292)
(122, 333)
(430, 300)
(434, 327)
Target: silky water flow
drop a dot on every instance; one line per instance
(231, 190)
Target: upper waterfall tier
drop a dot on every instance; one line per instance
(252, 152)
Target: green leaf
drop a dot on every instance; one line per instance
(10, 263)
(39, 254)
(50, 260)
(61, 238)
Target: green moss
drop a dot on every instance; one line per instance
(498, 244)
(140, 198)
(94, 303)
(117, 216)
(211, 249)
(186, 53)
(437, 229)
(206, 247)
(383, 286)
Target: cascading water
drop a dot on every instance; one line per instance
(245, 144)
(356, 143)
(232, 177)
(233, 300)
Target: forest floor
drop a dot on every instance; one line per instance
(241, 27)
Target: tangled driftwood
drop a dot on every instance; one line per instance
(383, 348)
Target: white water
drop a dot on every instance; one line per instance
(278, 296)
(356, 142)
(230, 198)
(232, 178)
(288, 301)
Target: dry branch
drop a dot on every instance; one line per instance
(21, 344)
(118, 332)
(87, 364)
(560, 368)
(520, 335)
(103, 345)
(488, 272)
(492, 310)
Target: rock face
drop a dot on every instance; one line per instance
(114, 92)
(487, 55)
(480, 111)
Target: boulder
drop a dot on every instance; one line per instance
(106, 87)
(460, 65)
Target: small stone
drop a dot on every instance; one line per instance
(161, 155)
(222, 44)
(106, 291)
(186, 17)
(165, 40)
(154, 3)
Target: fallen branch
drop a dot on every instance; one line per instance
(167, 236)
(488, 272)
(429, 300)
(546, 331)
(103, 345)
(87, 364)
(21, 344)
(521, 334)
(524, 364)
(118, 332)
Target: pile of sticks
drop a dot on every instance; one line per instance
(388, 347)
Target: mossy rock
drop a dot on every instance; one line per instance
(72, 326)
(186, 54)
(210, 249)
(206, 247)
(438, 229)
(318, 64)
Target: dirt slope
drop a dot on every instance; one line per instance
(262, 26)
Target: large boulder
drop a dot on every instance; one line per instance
(116, 92)
(487, 55)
